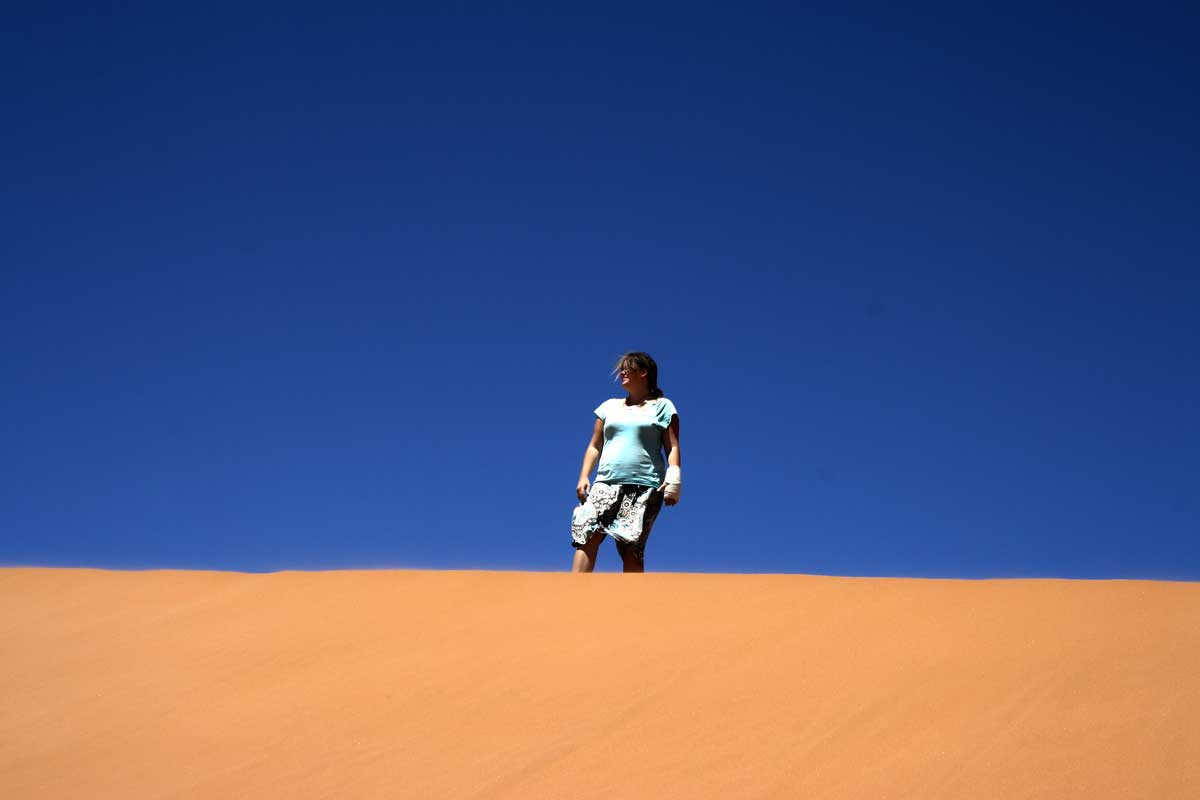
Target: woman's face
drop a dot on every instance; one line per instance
(631, 378)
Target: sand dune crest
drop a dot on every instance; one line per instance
(533, 685)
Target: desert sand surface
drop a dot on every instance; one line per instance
(474, 684)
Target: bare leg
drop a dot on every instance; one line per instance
(630, 560)
(633, 564)
(633, 554)
(585, 557)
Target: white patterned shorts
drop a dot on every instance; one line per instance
(625, 511)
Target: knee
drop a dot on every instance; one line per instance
(631, 555)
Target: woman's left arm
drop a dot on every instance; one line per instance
(671, 446)
(671, 441)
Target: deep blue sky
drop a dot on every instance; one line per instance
(333, 287)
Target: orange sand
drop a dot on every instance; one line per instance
(536, 685)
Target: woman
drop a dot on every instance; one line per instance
(632, 480)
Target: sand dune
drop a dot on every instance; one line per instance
(532, 685)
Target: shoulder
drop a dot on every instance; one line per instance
(664, 412)
(603, 409)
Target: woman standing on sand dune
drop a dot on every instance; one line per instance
(633, 480)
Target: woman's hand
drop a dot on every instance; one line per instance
(581, 490)
(671, 486)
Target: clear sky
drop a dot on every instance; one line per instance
(329, 286)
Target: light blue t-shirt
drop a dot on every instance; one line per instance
(633, 439)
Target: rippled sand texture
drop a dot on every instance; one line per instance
(532, 685)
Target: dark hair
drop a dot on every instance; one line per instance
(640, 362)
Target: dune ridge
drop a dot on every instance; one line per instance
(474, 684)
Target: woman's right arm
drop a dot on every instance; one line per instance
(590, 456)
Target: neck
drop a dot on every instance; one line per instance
(637, 396)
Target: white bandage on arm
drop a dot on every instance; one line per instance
(673, 483)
